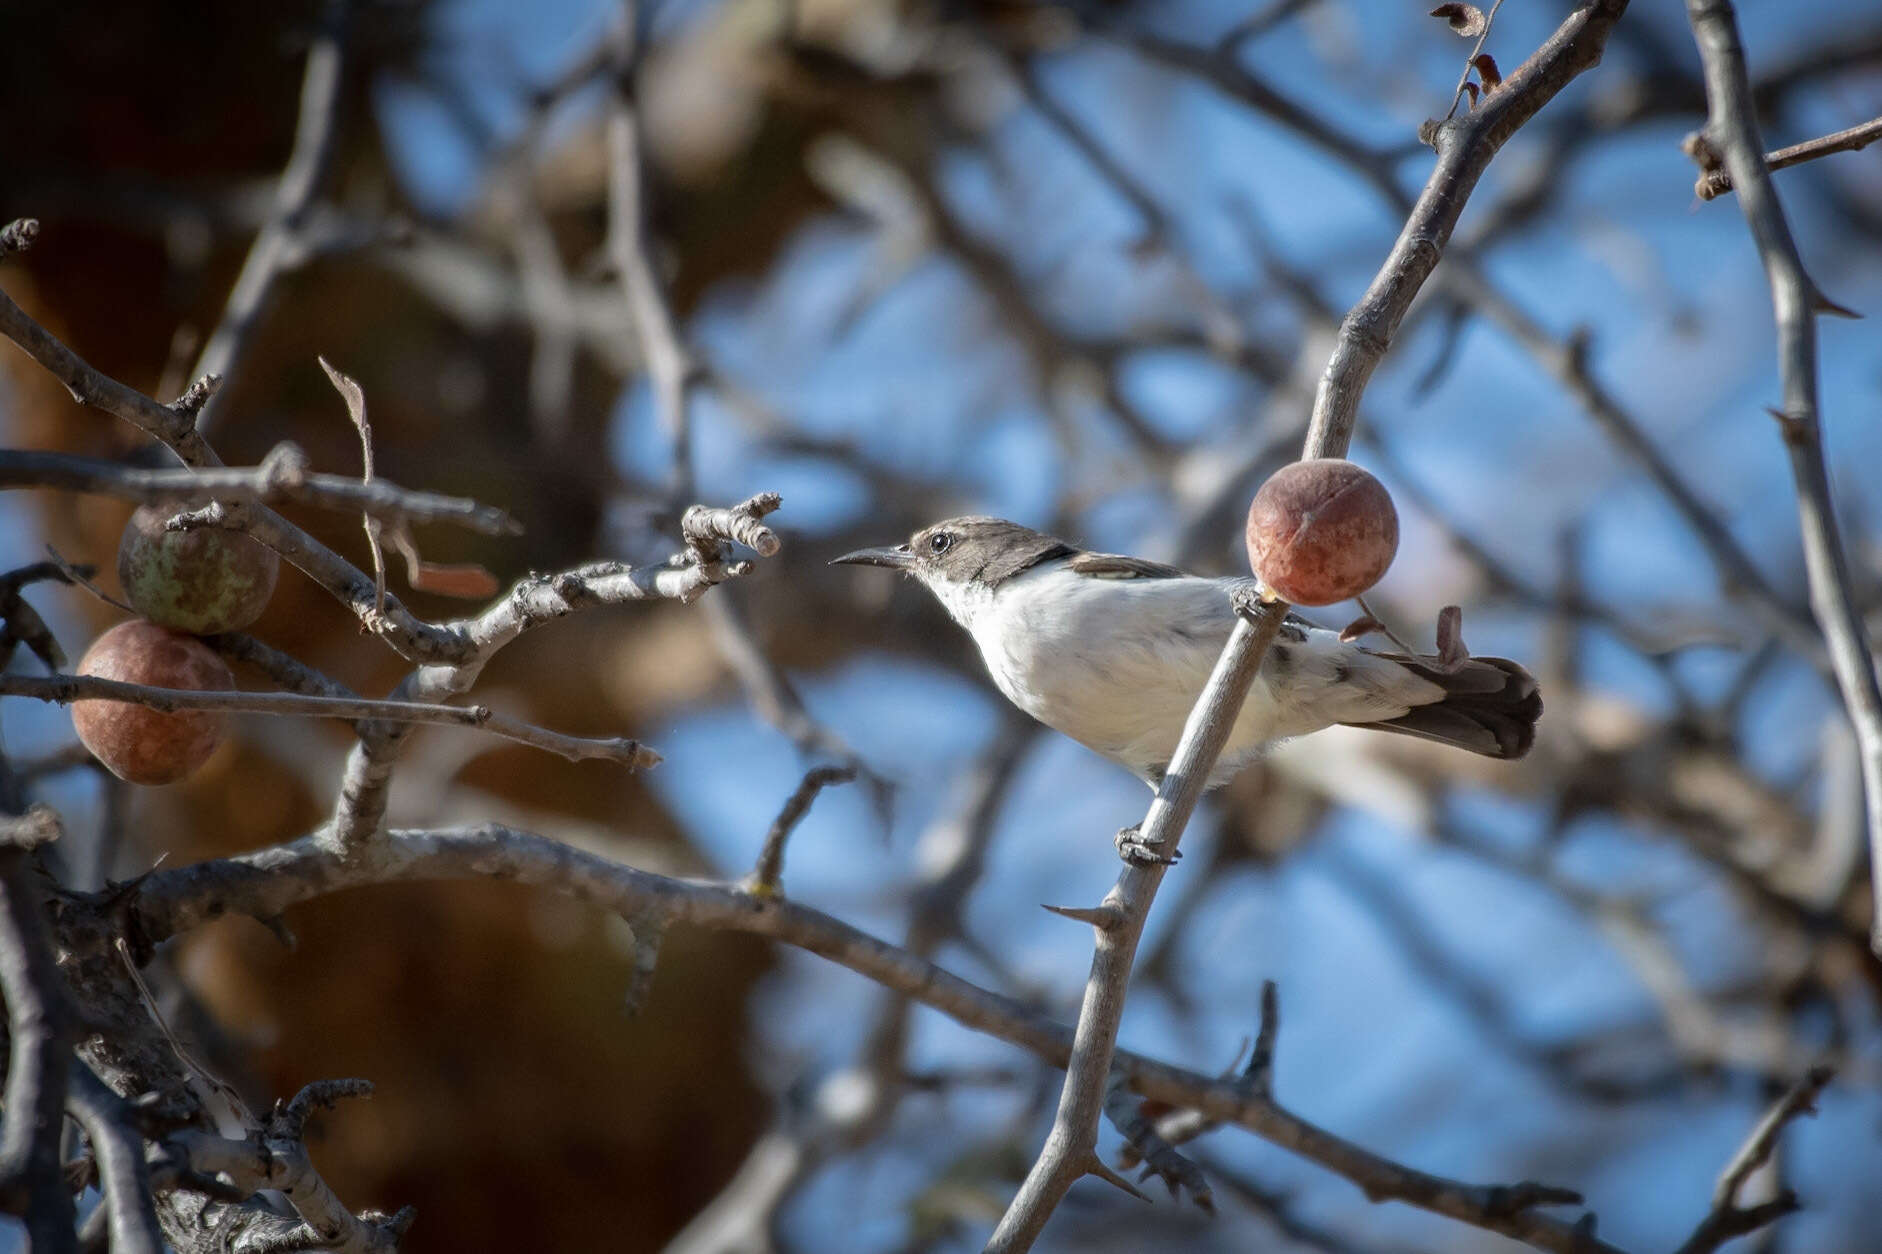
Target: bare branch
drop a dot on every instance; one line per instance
(1715, 183)
(282, 476)
(705, 528)
(279, 247)
(765, 876)
(118, 1149)
(402, 630)
(90, 386)
(276, 1157)
(1732, 129)
(65, 689)
(531, 603)
(41, 1033)
(674, 369)
(1465, 147)
(266, 882)
(1727, 1219)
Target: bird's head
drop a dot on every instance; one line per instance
(963, 560)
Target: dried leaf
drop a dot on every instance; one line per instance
(1362, 626)
(1470, 89)
(1465, 19)
(1487, 71)
(465, 580)
(355, 398)
(1451, 650)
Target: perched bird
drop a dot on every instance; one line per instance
(1113, 651)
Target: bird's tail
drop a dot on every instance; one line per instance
(1490, 706)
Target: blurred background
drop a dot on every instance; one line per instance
(1076, 266)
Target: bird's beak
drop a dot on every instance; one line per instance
(897, 558)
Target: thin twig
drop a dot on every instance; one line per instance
(65, 689)
(1470, 62)
(765, 876)
(671, 364)
(281, 476)
(531, 603)
(1714, 183)
(1732, 130)
(408, 635)
(1727, 1219)
(278, 247)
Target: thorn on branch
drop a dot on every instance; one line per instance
(1259, 1074)
(1824, 305)
(1104, 918)
(1095, 1166)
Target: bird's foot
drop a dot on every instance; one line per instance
(1134, 849)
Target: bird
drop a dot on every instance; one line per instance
(1113, 651)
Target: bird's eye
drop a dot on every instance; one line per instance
(940, 542)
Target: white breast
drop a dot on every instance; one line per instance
(1117, 664)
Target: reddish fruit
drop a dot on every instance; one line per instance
(202, 581)
(1321, 531)
(135, 742)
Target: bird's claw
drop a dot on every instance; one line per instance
(1134, 849)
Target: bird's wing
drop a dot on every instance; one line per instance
(1122, 566)
(1118, 566)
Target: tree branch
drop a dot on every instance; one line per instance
(276, 1157)
(672, 366)
(1715, 183)
(1732, 130)
(41, 1033)
(385, 616)
(65, 689)
(266, 882)
(540, 599)
(279, 247)
(118, 1149)
(1727, 1219)
(283, 475)
(1465, 147)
